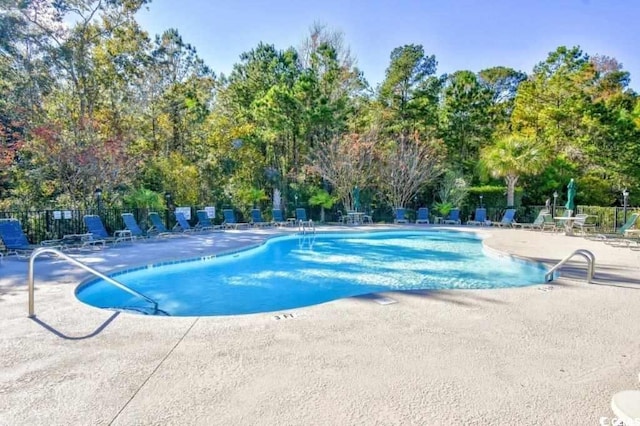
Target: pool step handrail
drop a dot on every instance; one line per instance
(307, 231)
(42, 250)
(306, 227)
(591, 264)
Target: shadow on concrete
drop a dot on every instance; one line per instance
(614, 276)
(452, 296)
(64, 336)
(449, 296)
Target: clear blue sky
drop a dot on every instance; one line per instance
(462, 34)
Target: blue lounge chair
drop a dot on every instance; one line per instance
(15, 241)
(230, 219)
(278, 218)
(99, 233)
(301, 217)
(257, 220)
(480, 218)
(423, 215)
(131, 224)
(507, 218)
(453, 218)
(399, 215)
(204, 222)
(182, 224)
(157, 225)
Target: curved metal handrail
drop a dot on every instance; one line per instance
(589, 257)
(37, 252)
(307, 231)
(304, 225)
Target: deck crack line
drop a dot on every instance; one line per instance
(153, 372)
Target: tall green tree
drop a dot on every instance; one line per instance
(466, 124)
(259, 104)
(503, 84)
(408, 94)
(78, 114)
(329, 85)
(183, 94)
(580, 109)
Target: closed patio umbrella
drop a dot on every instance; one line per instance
(356, 198)
(571, 194)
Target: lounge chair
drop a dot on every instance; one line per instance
(548, 223)
(344, 219)
(157, 225)
(182, 224)
(585, 223)
(423, 215)
(257, 220)
(536, 224)
(619, 238)
(399, 215)
(204, 222)
(480, 218)
(278, 218)
(230, 220)
(453, 218)
(131, 224)
(507, 218)
(15, 241)
(301, 217)
(99, 233)
(368, 218)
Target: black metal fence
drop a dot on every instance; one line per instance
(608, 218)
(41, 225)
(54, 224)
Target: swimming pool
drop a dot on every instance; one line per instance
(291, 272)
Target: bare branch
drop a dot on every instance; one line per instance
(406, 166)
(346, 162)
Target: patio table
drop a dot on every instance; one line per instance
(355, 217)
(568, 223)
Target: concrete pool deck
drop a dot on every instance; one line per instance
(552, 353)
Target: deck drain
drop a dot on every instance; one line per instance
(284, 316)
(546, 288)
(385, 300)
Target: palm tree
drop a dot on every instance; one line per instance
(511, 157)
(323, 199)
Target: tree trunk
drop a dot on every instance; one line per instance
(511, 189)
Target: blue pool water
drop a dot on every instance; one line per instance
(285, 274)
